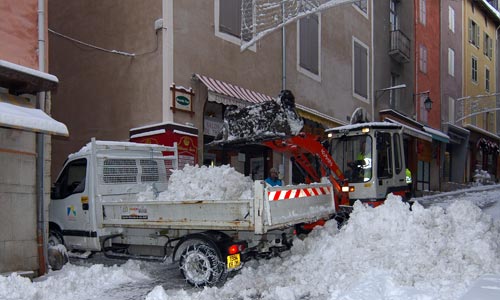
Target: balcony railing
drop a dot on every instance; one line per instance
(400, 46)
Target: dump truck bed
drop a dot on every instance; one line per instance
(271, 208)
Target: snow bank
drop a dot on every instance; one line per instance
(73, 282)
(388, 252)
(207, 183)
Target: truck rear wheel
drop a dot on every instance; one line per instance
(201, 266)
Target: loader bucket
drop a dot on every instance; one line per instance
(263, 121)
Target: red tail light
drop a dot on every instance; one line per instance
(233, 249)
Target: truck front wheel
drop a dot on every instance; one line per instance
(201, 266)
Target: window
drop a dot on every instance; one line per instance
(451, 62)
(309, 32)
(360, 72)
(488, 46)
(473, 33)
(393, 16)
(397, 154)
(394, 95)
(424, 114)
(423, 175)
(451, 110)
(423, 12)
(423, 59)
(362, 5)
(228, 18)
(451, 19)
(474, 70)
(384, 155)
(72, 179)
(487, 79)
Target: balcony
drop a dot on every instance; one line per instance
(400, 46)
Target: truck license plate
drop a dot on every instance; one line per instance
(233, 261)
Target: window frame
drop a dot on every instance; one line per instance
(423, 12)
(422, 59)
(224, 35)
(302, 69)
(474, 70)
(451, 62)
(358, 6)
(487, 79)
(474, 33)
(451, 19)
(362, 45)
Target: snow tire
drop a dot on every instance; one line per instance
(201, 266)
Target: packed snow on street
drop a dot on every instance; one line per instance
(436, 250)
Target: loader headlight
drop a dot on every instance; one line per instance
(347, 189)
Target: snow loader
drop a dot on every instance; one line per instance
(363, 161)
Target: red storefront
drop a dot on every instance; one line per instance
(167, 134)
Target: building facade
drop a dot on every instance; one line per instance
(25, 130)
(476, 108)
(196, 46)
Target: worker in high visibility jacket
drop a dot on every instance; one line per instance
(408, 176)
(409, 182)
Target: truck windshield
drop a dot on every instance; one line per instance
(353, 155)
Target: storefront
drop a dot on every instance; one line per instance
(483, 153)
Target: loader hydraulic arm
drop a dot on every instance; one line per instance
(302, 144)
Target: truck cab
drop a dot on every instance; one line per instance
(100, 171)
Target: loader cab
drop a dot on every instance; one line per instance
(371, 157)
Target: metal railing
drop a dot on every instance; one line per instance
(400, 46)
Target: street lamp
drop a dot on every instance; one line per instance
(427, 102)
(391, 88)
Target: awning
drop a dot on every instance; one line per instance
(23, 80)
(412, 131)
(230, 94)
(318, 117)
(30, 119)
(437, 135)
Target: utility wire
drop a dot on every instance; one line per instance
(103, 49)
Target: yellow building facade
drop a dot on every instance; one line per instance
(479, 76)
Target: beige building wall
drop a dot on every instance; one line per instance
(197, 49)
(18, 151)
(104, 94)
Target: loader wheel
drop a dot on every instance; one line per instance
(201, 266)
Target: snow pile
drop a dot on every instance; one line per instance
(207, 183)
(388, 252)
(75, 282)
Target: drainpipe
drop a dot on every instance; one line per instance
(283, 81)
(40, 155)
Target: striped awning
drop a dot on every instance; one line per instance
(230, 94)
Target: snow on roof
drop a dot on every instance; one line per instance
(363, 125)
(32, 119)
(116, 145)
(28, 71)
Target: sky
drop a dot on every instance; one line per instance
(437, 250)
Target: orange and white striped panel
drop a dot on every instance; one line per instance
(298, 193)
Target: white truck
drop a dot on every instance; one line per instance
(95, 207)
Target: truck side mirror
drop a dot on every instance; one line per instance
(55, 191)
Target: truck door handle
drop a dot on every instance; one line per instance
(85, 202)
